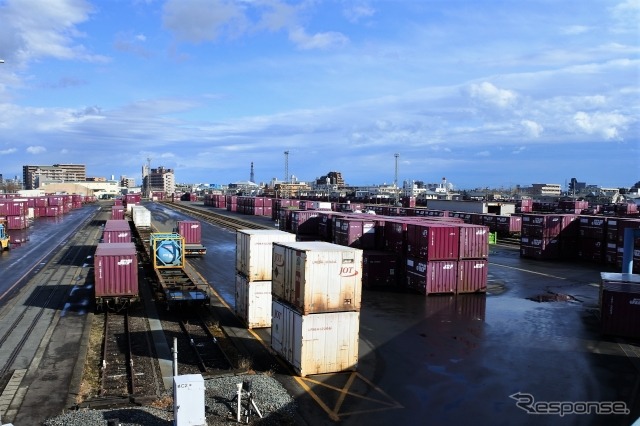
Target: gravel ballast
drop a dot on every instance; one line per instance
(276, 405)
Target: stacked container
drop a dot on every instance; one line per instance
(254, 250)
(542, 235)
(16, 212)
(317, 289)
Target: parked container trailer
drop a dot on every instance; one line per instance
(431, 277)
(115, 273)
(254, 251)
(253, 302)
(317, 343)
(191, 231)
(317, 276)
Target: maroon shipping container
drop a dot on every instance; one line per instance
(190, 230)
(591, 250)
(380, 269)
(17, 222)
(395, 236)
(592, 227)
(626, 224)
(508, 224)
(356, 233)
(305, 222)
(620, 306)
(549, 226)
(472, 276)
(13, 207)
(433, 241)
(540, 248)
(116, 271)
(117, 212)
(431, 277)
(474, 241)
(117, 231)
(41, 202)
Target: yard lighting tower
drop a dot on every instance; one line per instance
(286, 167)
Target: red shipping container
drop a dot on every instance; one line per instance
(17, 222)
(539, 248)
(395, 236)
(620, 308)
(472, 276)
(117, 212)
(508, 224)
(592, 227)
(433, 241)
(116, 270)
(356, 233)
(13, 207)
(626, 224)
(591, 250)
(474, 241)
(431, 277)
(190, 230)
(304, 222)
(380, 269)
(117, 231)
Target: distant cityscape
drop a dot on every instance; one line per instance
(72, 178)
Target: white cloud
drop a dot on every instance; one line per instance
(36, 149)
(531, 128)
(8, 151)
(490, 94)
(626, 15)
(355, 12)
(519, 150)
(483, 154)
(606, 125)
(204, 20)
(316, 41)
(575, 29)
(35, 29)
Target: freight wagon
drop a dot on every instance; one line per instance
(115, 276)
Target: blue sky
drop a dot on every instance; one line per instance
(484, 93)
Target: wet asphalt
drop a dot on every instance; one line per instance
(507, 357)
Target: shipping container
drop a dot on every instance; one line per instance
(304, 222)
(620, 306)
(317, 276)
(141, 217)
(317, 343)
(117, 231)
(13, 207)
(254, 251)
(253, 302)
(472, 276)
(540, 248)
(433, 241)
(508, 225)
(474, 241)
(431, 277)
(18, 222)
(115, 271)
(380, 269)
(354, 232)
(191, 230)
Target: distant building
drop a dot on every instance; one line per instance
(34, 176)
(331, 178)
(545, 189)
(159, 180)
(126, 182)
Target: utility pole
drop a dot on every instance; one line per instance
(148, 186)
(395, 181)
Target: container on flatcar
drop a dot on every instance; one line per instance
(115, 272)
(167, 249)
(116, 231)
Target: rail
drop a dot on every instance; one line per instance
(216, 218)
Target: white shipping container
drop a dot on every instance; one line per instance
(254, 251)
(317, 276)
(141, 216)
(315, 343)
(253, 302)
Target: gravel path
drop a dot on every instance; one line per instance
(276, 405)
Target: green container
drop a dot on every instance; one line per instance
(493, 237)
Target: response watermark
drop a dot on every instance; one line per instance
(526, 402)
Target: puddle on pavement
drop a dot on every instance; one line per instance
(552, 297)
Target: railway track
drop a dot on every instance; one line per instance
(117, 367)
(216, 218)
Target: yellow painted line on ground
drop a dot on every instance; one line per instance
(527, 270)
(344, 392)
(333, 416)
